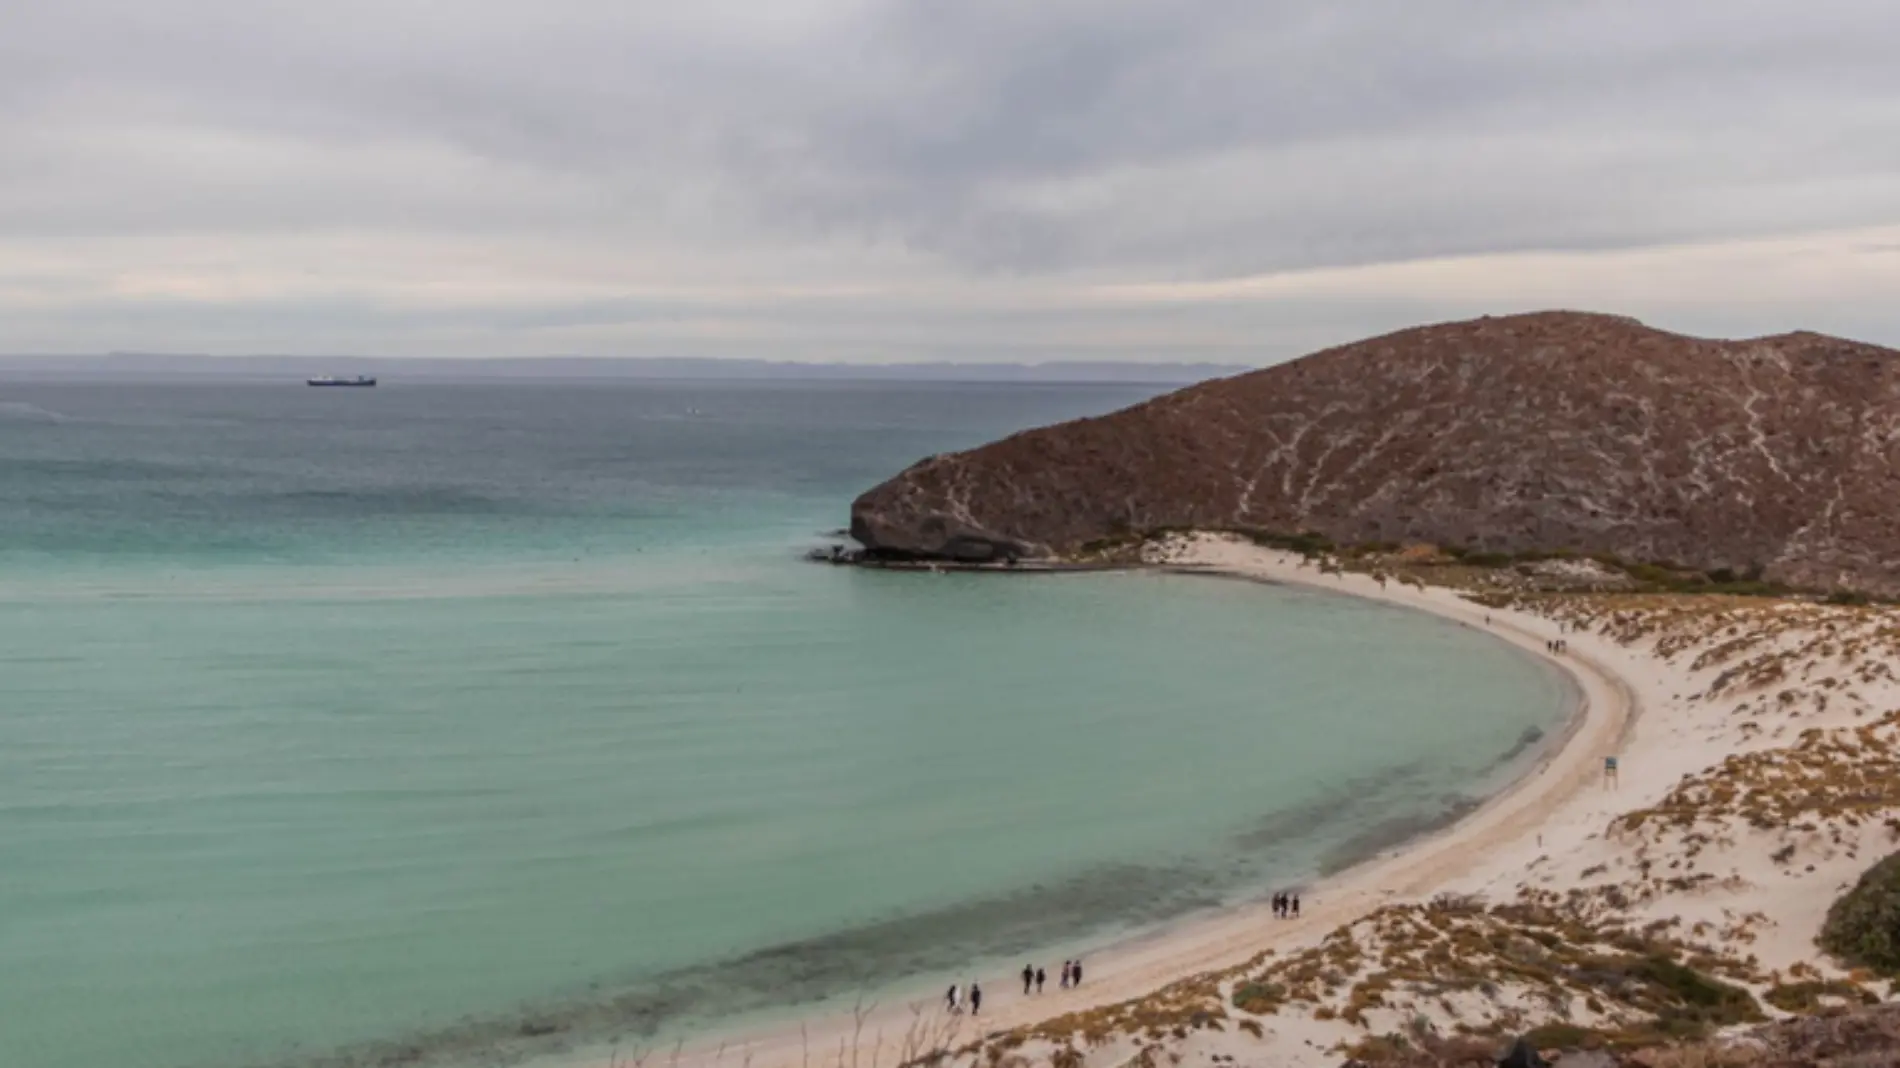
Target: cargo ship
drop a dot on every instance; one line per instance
(332, 380)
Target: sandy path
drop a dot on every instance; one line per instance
(1482, 841)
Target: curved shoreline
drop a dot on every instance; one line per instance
(1131, 968)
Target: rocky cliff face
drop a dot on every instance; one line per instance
(1555, 430)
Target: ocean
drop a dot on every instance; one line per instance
(462, 723)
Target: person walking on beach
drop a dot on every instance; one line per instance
(976, 999)
(1029, 976)
(1075, 974)
(1066, 965)
(950, 1001)
(1296, 906)
(1041, 977)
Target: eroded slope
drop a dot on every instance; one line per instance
(1556, 430)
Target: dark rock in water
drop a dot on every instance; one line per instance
(1521, 1055)
(1771, 457)
(835, 554)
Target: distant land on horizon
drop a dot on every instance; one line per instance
(133, 364)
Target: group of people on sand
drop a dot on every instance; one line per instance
(1557, 645)
(1034, 977)
(953, 1001)
(956, 997)
(1286, 906)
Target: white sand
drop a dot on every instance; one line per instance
(1546, 829)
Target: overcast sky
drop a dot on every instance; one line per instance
(1234, 180)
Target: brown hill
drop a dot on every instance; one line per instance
(1556, 430)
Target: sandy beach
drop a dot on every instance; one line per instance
(1472, 850)
(1671, 687)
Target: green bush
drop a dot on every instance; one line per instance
(1686, 1003)
(1863, 925)
(1722, 1002)
(1306, 542)
(1259, 998)
(1487, 559)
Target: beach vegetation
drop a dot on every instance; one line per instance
(1466, 565)
(1427, 1050)
(1640, 985)
(1563, 1035)
(1692, 998)
(1812, 995)
(1863, 925)
(1191, 1004)
(1842, 777)
(1380, 1049)
(1261, 999)
(1487, 559)
(1104, 546)
(1306, 543)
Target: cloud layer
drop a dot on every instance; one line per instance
(847, 179)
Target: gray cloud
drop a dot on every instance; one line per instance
(893, 180)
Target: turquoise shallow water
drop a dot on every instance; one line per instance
(340, 729)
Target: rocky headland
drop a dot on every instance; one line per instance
(1773, 459)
